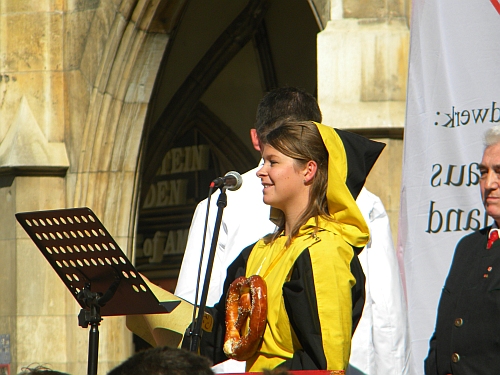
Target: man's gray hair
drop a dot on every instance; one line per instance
(492, 136)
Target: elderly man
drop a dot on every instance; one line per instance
(466, 340)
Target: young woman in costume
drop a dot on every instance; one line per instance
(311, 176)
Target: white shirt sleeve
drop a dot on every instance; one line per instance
(380, 343)
(188, 274)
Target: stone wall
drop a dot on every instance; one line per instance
(362, 73)
(75, 81)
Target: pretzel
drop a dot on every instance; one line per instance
(246, 300)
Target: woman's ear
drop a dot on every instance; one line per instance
(310, 171)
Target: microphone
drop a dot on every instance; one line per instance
(232, 181)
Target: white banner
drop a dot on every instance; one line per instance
(453, 97)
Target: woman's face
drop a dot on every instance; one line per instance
(283, 181)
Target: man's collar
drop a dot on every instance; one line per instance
(493, 227)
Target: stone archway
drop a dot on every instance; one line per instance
(105, 151)
(108, 97)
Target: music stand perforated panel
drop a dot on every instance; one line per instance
(81, 251)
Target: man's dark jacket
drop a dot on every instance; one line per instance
(466, 340)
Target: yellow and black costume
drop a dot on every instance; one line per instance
(310, 283)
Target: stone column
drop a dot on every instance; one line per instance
(35, 306)
(33, 162)
(362, 73)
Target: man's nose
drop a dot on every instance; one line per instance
(492, 180)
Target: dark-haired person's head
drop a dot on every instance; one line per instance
(277, 371)
(40, 370)
(164, 361)
(284, 103)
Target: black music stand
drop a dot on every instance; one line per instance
(93, 267)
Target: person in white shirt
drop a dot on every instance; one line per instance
(380, 344)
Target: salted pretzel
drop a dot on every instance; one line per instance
(246, 300)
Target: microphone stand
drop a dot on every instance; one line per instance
(196, 331)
